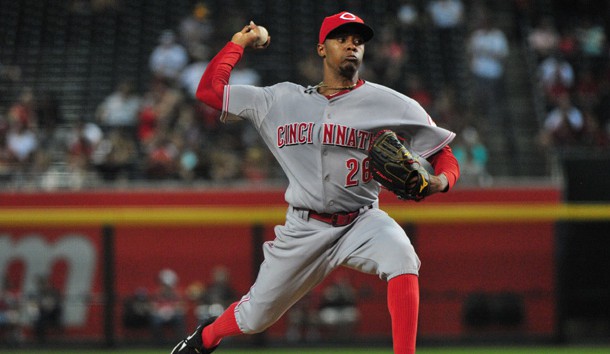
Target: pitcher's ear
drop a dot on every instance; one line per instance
(321, 50)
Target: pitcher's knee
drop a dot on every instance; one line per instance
(400, 262)
(252, 323)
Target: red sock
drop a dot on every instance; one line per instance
(403, 303)
(224, 326)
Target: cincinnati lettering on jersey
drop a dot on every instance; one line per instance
(295, 134)
(341, 135)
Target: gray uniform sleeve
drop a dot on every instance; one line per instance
(424, 137)
(407, 118)
(246, 102)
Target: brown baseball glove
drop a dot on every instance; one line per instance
(398, 169)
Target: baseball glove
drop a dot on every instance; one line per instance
(398, 169)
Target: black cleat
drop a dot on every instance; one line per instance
(193, 344)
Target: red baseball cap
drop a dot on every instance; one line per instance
(347, 19)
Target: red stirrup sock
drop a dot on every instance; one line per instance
(403, 303)
(224, 326)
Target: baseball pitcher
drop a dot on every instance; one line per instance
(339, 142)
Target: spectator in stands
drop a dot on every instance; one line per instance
(22, 142)
(488, 49)
(168, 58)
(120, 109)
(225, 165)
(48, 305)
(60, 176)
(72, 169)
(191, 164)
(168, 309)
(564, 125)
(556, 77)
(191, 140)
(162, 157)
(83, 141)
(447, 18)
(159, 111)
(587, 89)
(408, 14)
(471, 153)
(147, 125)
(24, 109)
(568, 43)
(593, 42)
(446, 14)
(116, 155)
(196, 28)
(544, 38)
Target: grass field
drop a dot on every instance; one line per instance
(426, 350)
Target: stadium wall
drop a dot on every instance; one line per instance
(487, 254)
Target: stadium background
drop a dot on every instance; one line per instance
(517, 260)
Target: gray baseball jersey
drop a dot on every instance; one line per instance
(322, 145)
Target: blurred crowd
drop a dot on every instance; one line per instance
(159, 133)
(573, 73)
(164, 312)
(163, 133)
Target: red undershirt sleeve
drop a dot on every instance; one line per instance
(216, 75)
(445, 162)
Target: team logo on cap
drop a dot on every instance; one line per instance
(348, 16)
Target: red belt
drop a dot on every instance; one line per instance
(335, 219)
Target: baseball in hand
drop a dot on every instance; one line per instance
(263, 36)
